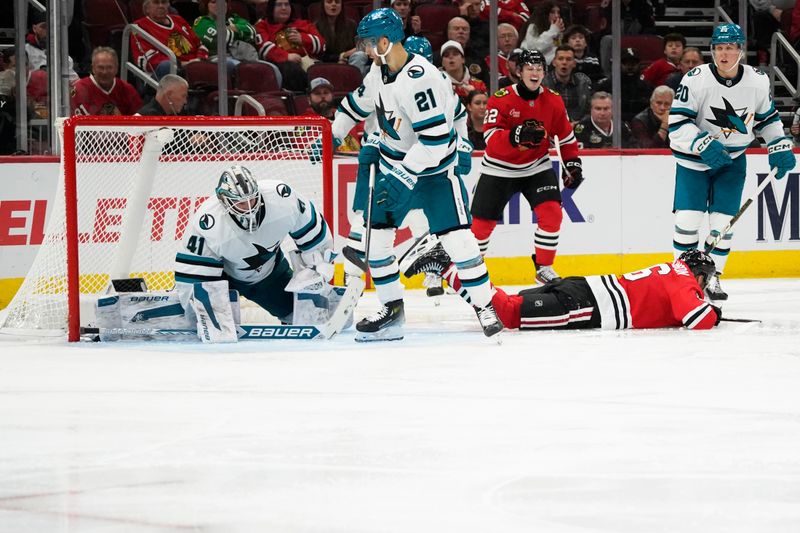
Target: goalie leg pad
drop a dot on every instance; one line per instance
(212, 306)
(687, 229)
(462, 248)
(383, 265)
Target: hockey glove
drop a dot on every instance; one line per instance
(781, 156)
(464, 164)
(573, 176)
(315, 150)
(712, 152)
(526, 135)
(369, 155)
(717, 310)
(393, 190)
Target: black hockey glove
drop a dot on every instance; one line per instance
(526, 135)
(573, 176)
(717, 310)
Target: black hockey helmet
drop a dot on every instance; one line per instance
(531, 57)
(699, 263)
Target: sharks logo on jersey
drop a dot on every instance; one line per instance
(388, 123)
(206, 221)
(262, 256)
(730, 120)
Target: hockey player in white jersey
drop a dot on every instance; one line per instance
(237, 235)
(415, 110)
(348, 114)
(717, 111)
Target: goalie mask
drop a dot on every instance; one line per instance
(699, 263)
(238, 193)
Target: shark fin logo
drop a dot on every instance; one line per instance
(387, 121)
(730, 120)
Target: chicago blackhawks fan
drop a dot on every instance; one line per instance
(237, 234)
(661, 296)
(718, 109)
(520, 121)
(415, 109)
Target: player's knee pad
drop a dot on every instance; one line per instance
(688, 221)
(417, 222)
(381, 245)
(482, 228)
(686, 232)
(460, 245)
(549, 215)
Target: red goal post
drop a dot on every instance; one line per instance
(127, 188)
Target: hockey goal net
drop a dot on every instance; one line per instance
(127, 188)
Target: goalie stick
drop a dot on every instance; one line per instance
(718, 237)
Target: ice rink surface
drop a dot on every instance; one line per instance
(669, 431)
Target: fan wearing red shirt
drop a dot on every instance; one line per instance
(663, 296)
(657, 73)
(102, 93)
(520, 121)
(171, 30)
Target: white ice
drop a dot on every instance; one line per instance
(668, 431)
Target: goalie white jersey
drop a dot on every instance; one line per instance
(417, 115)
(732, 111)
(215, 244)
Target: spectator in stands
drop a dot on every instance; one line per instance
(507, 39)
(545, 33)
(657, 73)
(766, 21)
(171, 97)
(575, 88)
(511, 63)
(339, 34)
(515, 12)
(635, 92)
(36, 41)
(453, 66)
(691, 58)
(577, 37)
(290, 42)
(241, 35)
(172, 31)
(320, 98)
(478, 32)
(650, 127)
(459, 30)
(8, 77)
(595, 130)
(412, 24)
(102, 93)
(476, 112)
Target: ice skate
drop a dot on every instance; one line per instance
(714, 290)
(545, 273)
(384, 325)
(433, 285)
(488, 319)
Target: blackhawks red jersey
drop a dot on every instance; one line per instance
(88, 98)
(505, 110)
(273, 45)
(662, 296)
(178, 35)
(514, 12)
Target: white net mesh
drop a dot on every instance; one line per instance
(137, 186)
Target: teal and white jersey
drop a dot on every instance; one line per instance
(419, 118)
(214, 243)
(732, 111)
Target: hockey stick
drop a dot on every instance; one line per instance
(718, 237)
(746, 320)
(355, 287)
(245, 332)
(559, 157)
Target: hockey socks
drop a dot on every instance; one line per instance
(482, 228)
(545, 238)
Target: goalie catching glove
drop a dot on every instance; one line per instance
(527, 135)
(314, 274)
(573, 175)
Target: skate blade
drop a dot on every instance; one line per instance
(392, 333)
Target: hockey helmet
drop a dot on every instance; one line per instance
(531, 57)
(238, 193)
(420, 46)
(384, 22)
(728, 34)
(699, 263)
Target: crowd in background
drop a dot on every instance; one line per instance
(291, 37)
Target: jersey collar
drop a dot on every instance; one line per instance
(728, 82)
(388, 76)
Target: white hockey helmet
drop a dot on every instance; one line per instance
(238, 192)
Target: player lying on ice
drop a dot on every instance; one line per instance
(662, 296)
